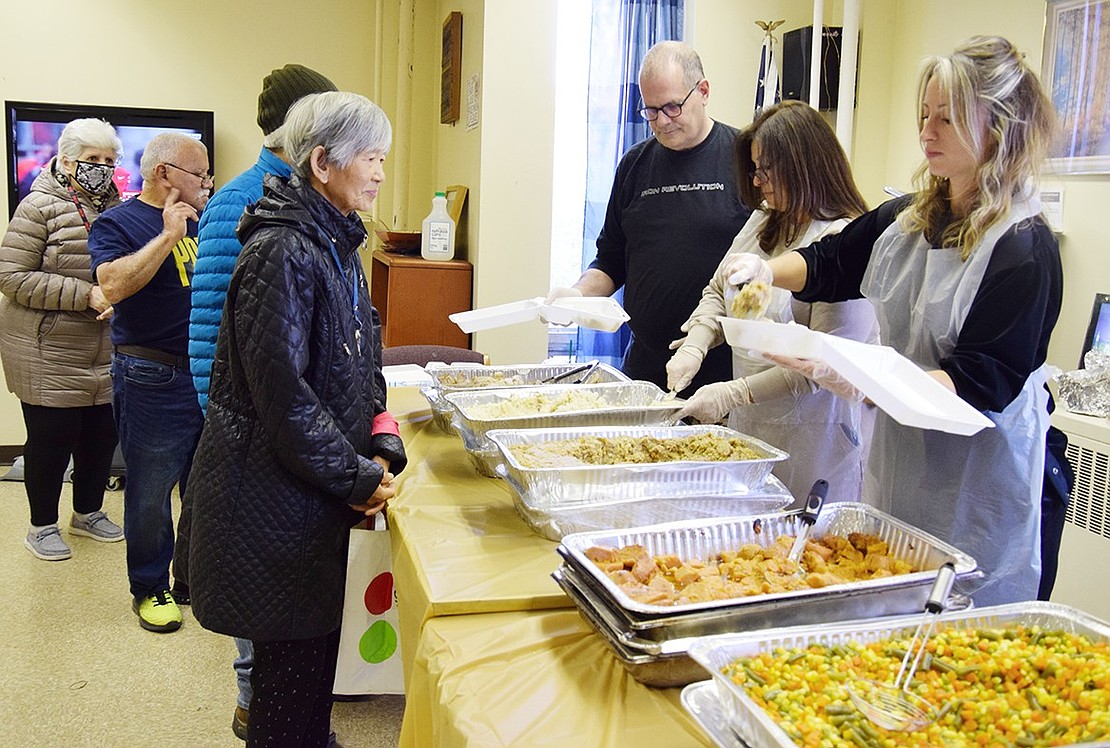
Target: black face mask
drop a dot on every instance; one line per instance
(96, 179)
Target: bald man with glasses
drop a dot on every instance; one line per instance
(143, 253)
(673, 212)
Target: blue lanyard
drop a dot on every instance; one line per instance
(354, 300)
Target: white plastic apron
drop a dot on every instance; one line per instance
(826, 436)
(980, 493)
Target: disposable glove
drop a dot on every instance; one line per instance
(686, 361)
(682, 367)
(820, 374)
(713, 402)
(559, 292)
(748, 268)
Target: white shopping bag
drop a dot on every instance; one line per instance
(369, 646)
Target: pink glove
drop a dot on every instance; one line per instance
(820, 374)
(713, 402)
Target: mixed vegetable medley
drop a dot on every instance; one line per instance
(1020, 686)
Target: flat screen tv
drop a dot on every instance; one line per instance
(1098, 329)
(32, 130)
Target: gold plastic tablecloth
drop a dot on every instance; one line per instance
(459, 546)
(533, 679)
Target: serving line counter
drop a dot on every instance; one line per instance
(493, 652)
(458, 544)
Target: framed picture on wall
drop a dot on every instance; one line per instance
(1076, 70)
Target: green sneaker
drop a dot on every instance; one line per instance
(157, 612)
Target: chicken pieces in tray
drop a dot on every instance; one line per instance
(750, 570)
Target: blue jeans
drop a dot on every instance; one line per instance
(243, 664)
(159, 421)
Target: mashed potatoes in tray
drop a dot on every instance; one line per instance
(619, 450)
(538, 403)
(493, 379)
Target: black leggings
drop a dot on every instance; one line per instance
(292, 683)
(88, 434)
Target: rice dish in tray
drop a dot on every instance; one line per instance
(623, 450)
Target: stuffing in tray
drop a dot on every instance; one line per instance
(750, 570)
(751, 301)
(616, 450)
(1018, 686)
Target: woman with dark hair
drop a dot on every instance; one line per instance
(54, 337)
(966, 280)
(796, 172)
(297, 445)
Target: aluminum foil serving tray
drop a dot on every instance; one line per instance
(701, 539)
(528, 375)
(625, 404)
(589, 483)
(755, 727)
(554, 520)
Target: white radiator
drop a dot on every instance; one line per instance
(1085, 547)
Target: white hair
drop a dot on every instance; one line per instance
(344, 123)
(164, 148)
(85, 133)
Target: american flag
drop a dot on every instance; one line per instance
(767, 85)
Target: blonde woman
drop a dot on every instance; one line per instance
(966, 280)
(54, 337)
(793, 168)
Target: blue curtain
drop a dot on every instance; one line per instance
(621, 34)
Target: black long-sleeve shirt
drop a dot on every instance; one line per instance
(1005, 335)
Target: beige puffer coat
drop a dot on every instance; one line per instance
(55, 352)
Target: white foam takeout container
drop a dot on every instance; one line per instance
(890, 380)
(595, 312)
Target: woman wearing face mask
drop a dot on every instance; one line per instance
(54, 337)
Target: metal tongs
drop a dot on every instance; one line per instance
(814, 502)
(585, 370)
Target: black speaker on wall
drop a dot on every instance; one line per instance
(797, 46)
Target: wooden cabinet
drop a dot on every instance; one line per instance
(414, 297)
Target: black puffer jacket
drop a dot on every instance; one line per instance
(287, 442)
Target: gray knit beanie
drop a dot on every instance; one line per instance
(281, 88)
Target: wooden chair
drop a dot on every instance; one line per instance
(422, 354)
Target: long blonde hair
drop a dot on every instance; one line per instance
(1001, 113)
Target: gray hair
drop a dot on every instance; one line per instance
(344, 123)
(663, 55)
(88, 133)
(164, 148)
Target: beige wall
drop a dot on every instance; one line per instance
(506, 162)
(211, 54)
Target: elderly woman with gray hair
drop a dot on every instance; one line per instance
(294, 452)
(54, 337)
